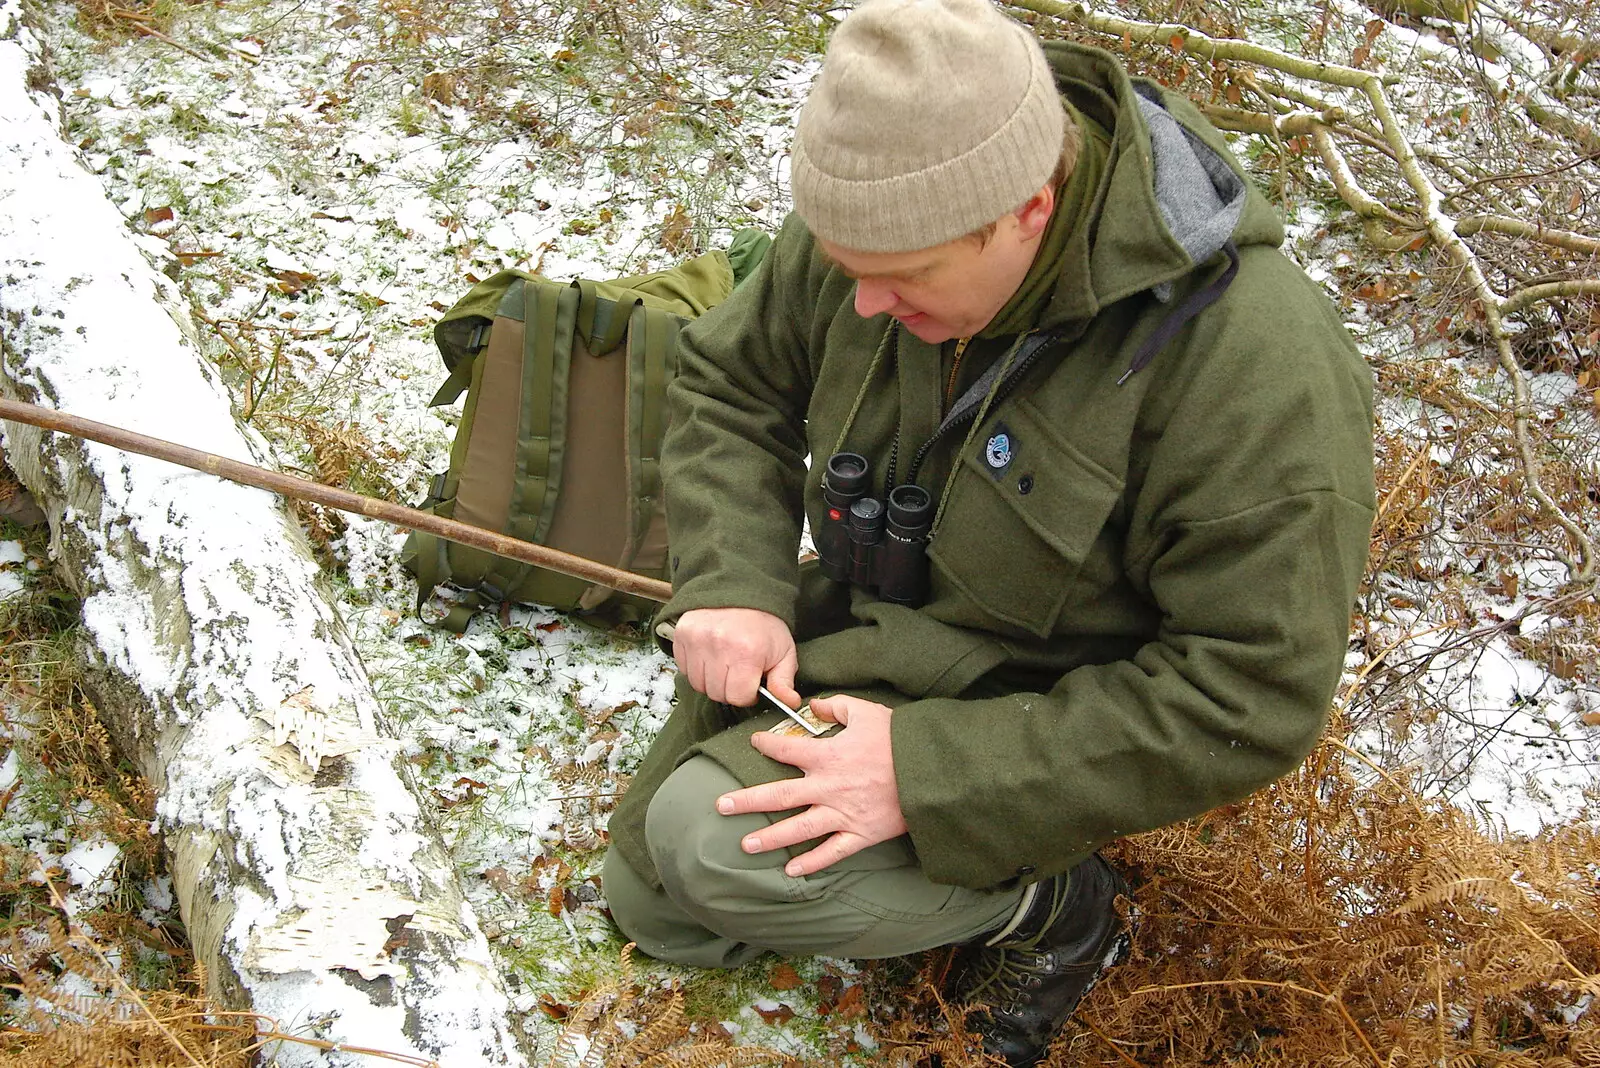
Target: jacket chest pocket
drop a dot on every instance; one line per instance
(1023, 517)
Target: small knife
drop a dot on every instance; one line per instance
(802, 715)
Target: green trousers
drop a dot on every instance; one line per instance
(719, 906)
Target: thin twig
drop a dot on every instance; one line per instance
(273, 1034)
(1374, 765)
(1399, 483)
(151, 31)
(1112, 1046)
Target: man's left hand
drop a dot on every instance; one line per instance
(849, 786)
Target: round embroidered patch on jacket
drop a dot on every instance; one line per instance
(998, 451)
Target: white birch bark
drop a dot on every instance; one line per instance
(310, 882)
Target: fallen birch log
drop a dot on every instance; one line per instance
(311, 884)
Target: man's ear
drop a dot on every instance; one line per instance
(1034, 215)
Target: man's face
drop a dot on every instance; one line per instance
(950, 290)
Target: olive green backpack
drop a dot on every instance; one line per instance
(560, 439)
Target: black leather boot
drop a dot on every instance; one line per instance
(1033, 975)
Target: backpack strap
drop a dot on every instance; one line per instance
(550, 317)
(659, 338)
(461, 374)
(547, 360)
(652, 356)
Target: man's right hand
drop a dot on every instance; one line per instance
(726, 652)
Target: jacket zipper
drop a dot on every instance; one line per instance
(955, 370)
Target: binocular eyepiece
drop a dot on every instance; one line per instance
(861, 541)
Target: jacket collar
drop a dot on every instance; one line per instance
(1127, 246)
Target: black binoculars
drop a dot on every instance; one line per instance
(863, 542)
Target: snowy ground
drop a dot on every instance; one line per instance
(319, 201)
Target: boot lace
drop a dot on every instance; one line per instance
(1007, 970)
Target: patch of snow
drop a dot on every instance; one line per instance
(90, 863)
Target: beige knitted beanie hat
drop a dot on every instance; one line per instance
(930, 119)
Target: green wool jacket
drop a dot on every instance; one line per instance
(1142, 612)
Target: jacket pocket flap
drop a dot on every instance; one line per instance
(1059, 492)
(1025, 512)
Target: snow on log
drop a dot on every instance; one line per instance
(312, 887)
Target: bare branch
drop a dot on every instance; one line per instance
(1177, 36)
(1554, 42)
(1257, 122)
(1522, 298)
(1564, 125)
(1499, 224)
(1344, 180)
(1581, 566)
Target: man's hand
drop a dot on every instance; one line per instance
(725, 652)
(849, 785)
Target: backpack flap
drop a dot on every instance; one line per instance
(603, 318)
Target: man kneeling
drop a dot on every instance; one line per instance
(1041, 295)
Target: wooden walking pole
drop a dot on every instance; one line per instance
(304, 489)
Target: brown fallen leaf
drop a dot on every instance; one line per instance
(439, 86)
(829, 987)
(605, 717)
(781, 1014)
(851, 1004)
(292, 282)
(677, 231)
(784, 977)
(500, 879)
